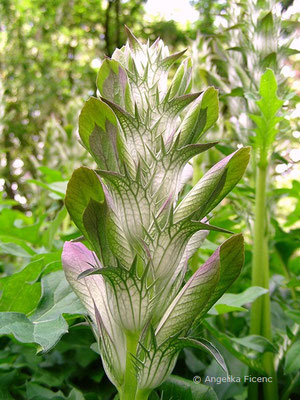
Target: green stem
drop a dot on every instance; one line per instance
(143, 394)
(261, 311)
(128, 390)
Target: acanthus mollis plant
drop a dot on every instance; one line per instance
(139, 235)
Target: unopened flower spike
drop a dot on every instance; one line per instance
(130, 272)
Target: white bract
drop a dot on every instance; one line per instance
(140, 235)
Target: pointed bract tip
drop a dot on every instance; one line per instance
(133, 41)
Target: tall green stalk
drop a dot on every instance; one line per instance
(261, 309)
(261, 324)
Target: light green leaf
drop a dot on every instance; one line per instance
(94, 112)
(46, 333)
(13, 249)
(57, 299)
(49, 234)
(21, 291)
(257, 343)
(16, 225)
(200, 118)
(292, 359)
(190, 300)
(46, 326)
(214, 186)
(83, 187)
(112, 82)
(231, 262)
(58, 189)
(182, 81)
(167, 62)
(233, 302)
(269, 105)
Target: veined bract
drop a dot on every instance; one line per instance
(140, 236)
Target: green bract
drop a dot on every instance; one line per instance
(141, 237)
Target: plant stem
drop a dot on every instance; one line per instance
(128, 390)
(261, 310)
(143, 394)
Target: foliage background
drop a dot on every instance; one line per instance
(50, 53)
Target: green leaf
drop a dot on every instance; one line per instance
(112, 82)
(94, 112)
(46, 326)
(292, 359)
(190, 300)
(57, 188)
(53, 227)
(83, 187)
(236, 349)
(269, 105)
(231, 262)
(13, 249)
(134, 43)
(21, 292)
(214, 186)
(167, 62)
(257, 343)
(177, 388)
(35, 391)
(200, 118)
(98, 131)
(205, 345)
(46, 333)
(16, 225)
(176, 105)
(233, 302)
(182, 81)
(57, 299)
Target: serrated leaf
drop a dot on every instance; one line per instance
(269, 105)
